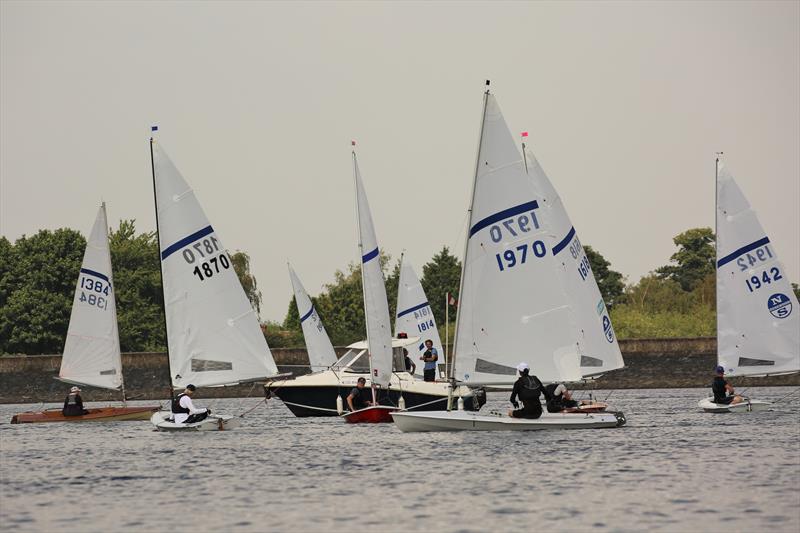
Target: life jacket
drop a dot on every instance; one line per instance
(176, 405)
(530, 390)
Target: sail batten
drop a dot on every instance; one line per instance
(758, 329)
(213, 333)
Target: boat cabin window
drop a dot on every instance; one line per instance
(398, 360)
(357, 362)
(345, 360)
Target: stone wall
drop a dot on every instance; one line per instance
(649, 363)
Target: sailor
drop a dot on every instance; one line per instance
(184, 411)
(357, 399)
(528, 388)
(73, 403)
(430, 356)
(723, 391)
(558, 398)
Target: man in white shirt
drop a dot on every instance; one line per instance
(184, 411)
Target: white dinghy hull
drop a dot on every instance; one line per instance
(747, 406)
(496, 421)
(213, 423)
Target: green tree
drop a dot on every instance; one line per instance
(241, 264)
(37, 284)
(610, 282)
(440, 276)
(137, 289)
(694, 259)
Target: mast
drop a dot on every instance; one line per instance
(453, 356)
(716, 242)
(361, 260)
(114, 307)
(160, 265)
(397, 301)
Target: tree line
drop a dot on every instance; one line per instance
(38, 274)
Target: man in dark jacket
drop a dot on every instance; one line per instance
(528, 388)
(73, 403)
(723, 391)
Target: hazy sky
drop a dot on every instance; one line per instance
(625, 103)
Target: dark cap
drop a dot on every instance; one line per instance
(720, 369)
(191, 387)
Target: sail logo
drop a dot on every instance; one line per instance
(779, 305)
(609, 331)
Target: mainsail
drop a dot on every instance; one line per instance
(376, 306)
(758, 329)
(318, 345)
(524, 295)
(213, 333)
(415, 316)
(91, 351)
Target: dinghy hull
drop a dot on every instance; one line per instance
(100, 414)
(495, 421)
(213, 423)
(379, 414)
(747, 406)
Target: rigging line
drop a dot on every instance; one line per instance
(787, 395)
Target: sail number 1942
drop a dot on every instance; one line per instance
(211, 261)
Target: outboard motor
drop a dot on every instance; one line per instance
(479, 398)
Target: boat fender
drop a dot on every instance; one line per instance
(402, 403)
(339, 404)
(460, 403)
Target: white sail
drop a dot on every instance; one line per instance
(758, 329)
(376, 306)
(318, 345)
(91, 351)
(213, 334)
(414, 316)
(596, 341)
(512, 305)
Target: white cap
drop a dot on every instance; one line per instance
(522, 366)
(75, 389)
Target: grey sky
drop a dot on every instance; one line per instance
(625, 103)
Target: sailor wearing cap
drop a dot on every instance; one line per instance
(184, 411)
(73, 403)
(528, 388)
(723, 391)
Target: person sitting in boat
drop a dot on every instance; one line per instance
(528, 388)
(430, 356)
(723, 391)
(184, 411)
(558, 398)
(73, 404)
(357, 399)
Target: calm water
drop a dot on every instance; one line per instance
(671, 468)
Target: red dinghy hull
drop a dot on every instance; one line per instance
(101, 414)
(379, 414)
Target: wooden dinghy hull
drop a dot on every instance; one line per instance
(379, 414)
(100, 414)
(495, 421)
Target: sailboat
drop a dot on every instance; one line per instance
(414, 317)
(517, 303)
(91, 352)
(322, 393)
(321, 354)
(213, 335)
(758, 328)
